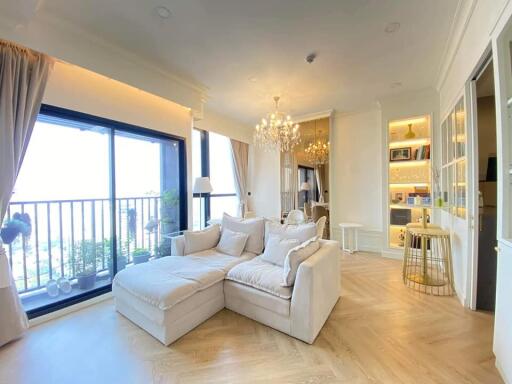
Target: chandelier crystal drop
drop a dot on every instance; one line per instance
(277, 131)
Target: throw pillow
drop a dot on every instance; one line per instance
(232, 243)
(197, 241)
(296, 256)
(302, 232)
(255, 228)
(277, 249)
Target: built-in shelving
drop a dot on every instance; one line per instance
(409, 175)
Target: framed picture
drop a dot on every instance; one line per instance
(400, 154)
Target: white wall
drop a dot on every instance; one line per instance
(221, 124)
(81, 90)
(356, 175)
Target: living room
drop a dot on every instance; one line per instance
(335, 173)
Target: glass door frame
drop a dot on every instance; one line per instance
(113, 126)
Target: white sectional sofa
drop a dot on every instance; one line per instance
(170, 296)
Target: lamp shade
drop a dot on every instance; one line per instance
(202, 185)
(305, 186)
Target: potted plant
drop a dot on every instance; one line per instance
(84, 260)
(140, 255)
(20, 223)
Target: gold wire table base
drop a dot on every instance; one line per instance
(427, 266)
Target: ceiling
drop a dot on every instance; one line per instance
(246, 51)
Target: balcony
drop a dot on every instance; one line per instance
(61, 237)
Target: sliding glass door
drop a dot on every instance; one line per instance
(89, 189)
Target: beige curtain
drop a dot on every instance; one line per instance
(240, 152)
(23, 77)
(289, 181)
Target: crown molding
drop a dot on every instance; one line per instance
(458, 29)
(313, 116)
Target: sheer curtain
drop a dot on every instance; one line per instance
(240, 152)
(319, 173)
(23, 78)
(289, 181)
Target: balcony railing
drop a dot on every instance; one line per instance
(58, 227)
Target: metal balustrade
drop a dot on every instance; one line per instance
(59, 226)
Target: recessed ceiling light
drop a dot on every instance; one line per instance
(253, 79)
(392, 27)
(396, 85)
(163, 12)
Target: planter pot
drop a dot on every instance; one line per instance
(139, 259)
(8, 235)
(121, 264)
(86, 280)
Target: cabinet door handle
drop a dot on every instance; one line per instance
(497, 249)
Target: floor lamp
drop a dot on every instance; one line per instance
(202, 185)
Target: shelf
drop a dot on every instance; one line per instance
(408, 185)
(409, 142)
(409, 163)
(409, 206)
(397, 226)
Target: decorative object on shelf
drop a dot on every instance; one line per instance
(400, 216)
(401, 238)
(317, 151)
(410, 134)
(436, 180)
(277, 131)
(398, 198)
(64, 285)
(202, 185)
(400, 154)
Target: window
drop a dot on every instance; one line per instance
(211, 157)
(307, 175)
(453, 169)
(93, 196)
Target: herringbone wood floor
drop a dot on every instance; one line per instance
(379, 332)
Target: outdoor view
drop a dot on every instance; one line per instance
(58, 229)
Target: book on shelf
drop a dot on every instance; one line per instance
(422, 152)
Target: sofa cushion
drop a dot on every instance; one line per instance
(261, 275)
(301, 232)
(255, 228)
(296, 256)
(196, 241)
(232, 243)
(215, 259)
(277, 248)
(168, 281)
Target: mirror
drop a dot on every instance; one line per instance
(305, 172)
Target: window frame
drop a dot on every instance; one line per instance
(113, 126)
(205, 172)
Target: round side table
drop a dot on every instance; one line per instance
(427, 264)
(349, 240)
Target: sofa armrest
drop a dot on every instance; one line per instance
(316, 291)
(178, 246)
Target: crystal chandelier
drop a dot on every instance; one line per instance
(277, 131)
(317, 151)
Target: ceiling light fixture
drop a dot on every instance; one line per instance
(163, 12)
(277, 131)
(253, 79)
(317, 151)
(396, 85)
(392, 27)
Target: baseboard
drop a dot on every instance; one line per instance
(502, 372)
(370, 240)
(396, 254)
(72, 308)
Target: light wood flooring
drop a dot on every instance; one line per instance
(379, 332)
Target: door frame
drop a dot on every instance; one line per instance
(473, 172)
